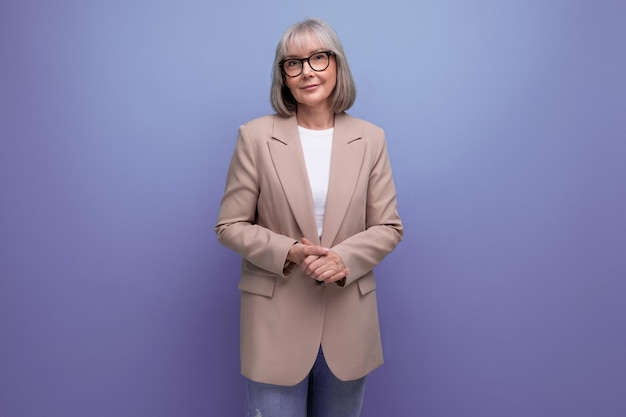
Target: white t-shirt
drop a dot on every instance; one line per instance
(317, 146)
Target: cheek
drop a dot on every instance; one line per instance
(292, 82)
(333, 77)
(289, 85)
(333, 81)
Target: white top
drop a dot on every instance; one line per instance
(317, 146)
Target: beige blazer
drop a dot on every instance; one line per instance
(267, 206)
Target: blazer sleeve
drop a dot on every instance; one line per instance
(236, 228)
(362, 251)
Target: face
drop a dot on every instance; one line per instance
(312, 89)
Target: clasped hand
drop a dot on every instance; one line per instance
(318, 262)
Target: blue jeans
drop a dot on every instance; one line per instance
(321, 394)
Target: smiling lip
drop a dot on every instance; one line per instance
(310, 87)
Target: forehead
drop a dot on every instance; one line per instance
(303, 44)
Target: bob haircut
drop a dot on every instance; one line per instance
(297, 36)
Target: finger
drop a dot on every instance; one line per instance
(308, 260)
(327, 271)
(315, 268)
(315, 250)
(323, 276)
(337, 276)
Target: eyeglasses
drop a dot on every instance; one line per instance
(318, 62)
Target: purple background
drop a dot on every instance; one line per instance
(506, 128)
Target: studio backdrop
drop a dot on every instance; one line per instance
(506, 129)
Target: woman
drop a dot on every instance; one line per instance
(310, 205)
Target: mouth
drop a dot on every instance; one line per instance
(310, 87)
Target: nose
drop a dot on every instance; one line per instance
(306, 68)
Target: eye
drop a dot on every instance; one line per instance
(292, 63)
(319, 57)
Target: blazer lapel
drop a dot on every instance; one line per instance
(288, 158)
(346, 161)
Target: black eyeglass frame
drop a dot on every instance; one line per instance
(307, 59)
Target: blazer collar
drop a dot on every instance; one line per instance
(286, 129)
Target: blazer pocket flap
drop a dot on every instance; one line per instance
(366, 283)
(257, 284)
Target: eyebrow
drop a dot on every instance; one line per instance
(310, 53)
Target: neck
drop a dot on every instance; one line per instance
(315, 119)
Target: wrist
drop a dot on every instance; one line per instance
(291, 254)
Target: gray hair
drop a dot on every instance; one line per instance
(296, 36)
